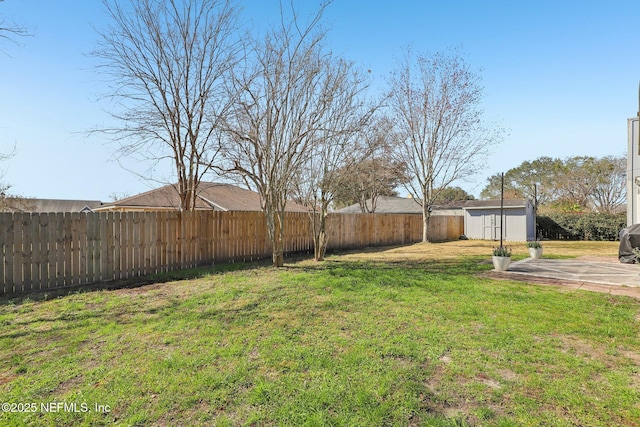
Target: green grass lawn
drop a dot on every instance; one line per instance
(356, 340)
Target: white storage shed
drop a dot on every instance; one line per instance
(482, 220)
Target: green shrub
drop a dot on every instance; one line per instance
(581, 226)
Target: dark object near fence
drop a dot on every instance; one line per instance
(629, 239)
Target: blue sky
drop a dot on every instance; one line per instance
(562, 76)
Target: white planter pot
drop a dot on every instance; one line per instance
(501, 263)
(535, 253)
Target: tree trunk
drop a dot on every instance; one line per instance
(320, 246)
(278, 241)
(278, 258)
(276, 234)
(319, 235)
(425, 222)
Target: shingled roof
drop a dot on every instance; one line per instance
(395, 205)
(487, 204)
(211, 195)
(60, 205)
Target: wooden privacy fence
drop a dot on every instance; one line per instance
(443, 228)
(49, 251)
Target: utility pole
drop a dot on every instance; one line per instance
(535, 210)
(501, 205)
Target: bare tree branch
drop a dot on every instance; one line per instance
(9, 30)
(287, 94)
(373, 171)
(338, 144)
(435, 101)
(9, 201)
(168, 62)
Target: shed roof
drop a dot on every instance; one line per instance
(492, 204)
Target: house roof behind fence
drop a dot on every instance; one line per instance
(211, 195)
(59, 205)
(395, 205)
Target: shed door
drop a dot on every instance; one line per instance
(491, 221)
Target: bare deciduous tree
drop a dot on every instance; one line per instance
(8, 202)
(11, 202)
(287, 94)
(442, 134)
(337, 145)
(597, 184)
(610, 186)
(374, 172)
(168, 61)
(14, 202)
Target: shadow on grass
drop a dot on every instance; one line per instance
(464, 265)
(131, 283)
(334, 266)
(437, 275)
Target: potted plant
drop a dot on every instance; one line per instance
(501, 258)
(535, 249)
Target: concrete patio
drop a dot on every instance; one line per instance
(609, 277)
